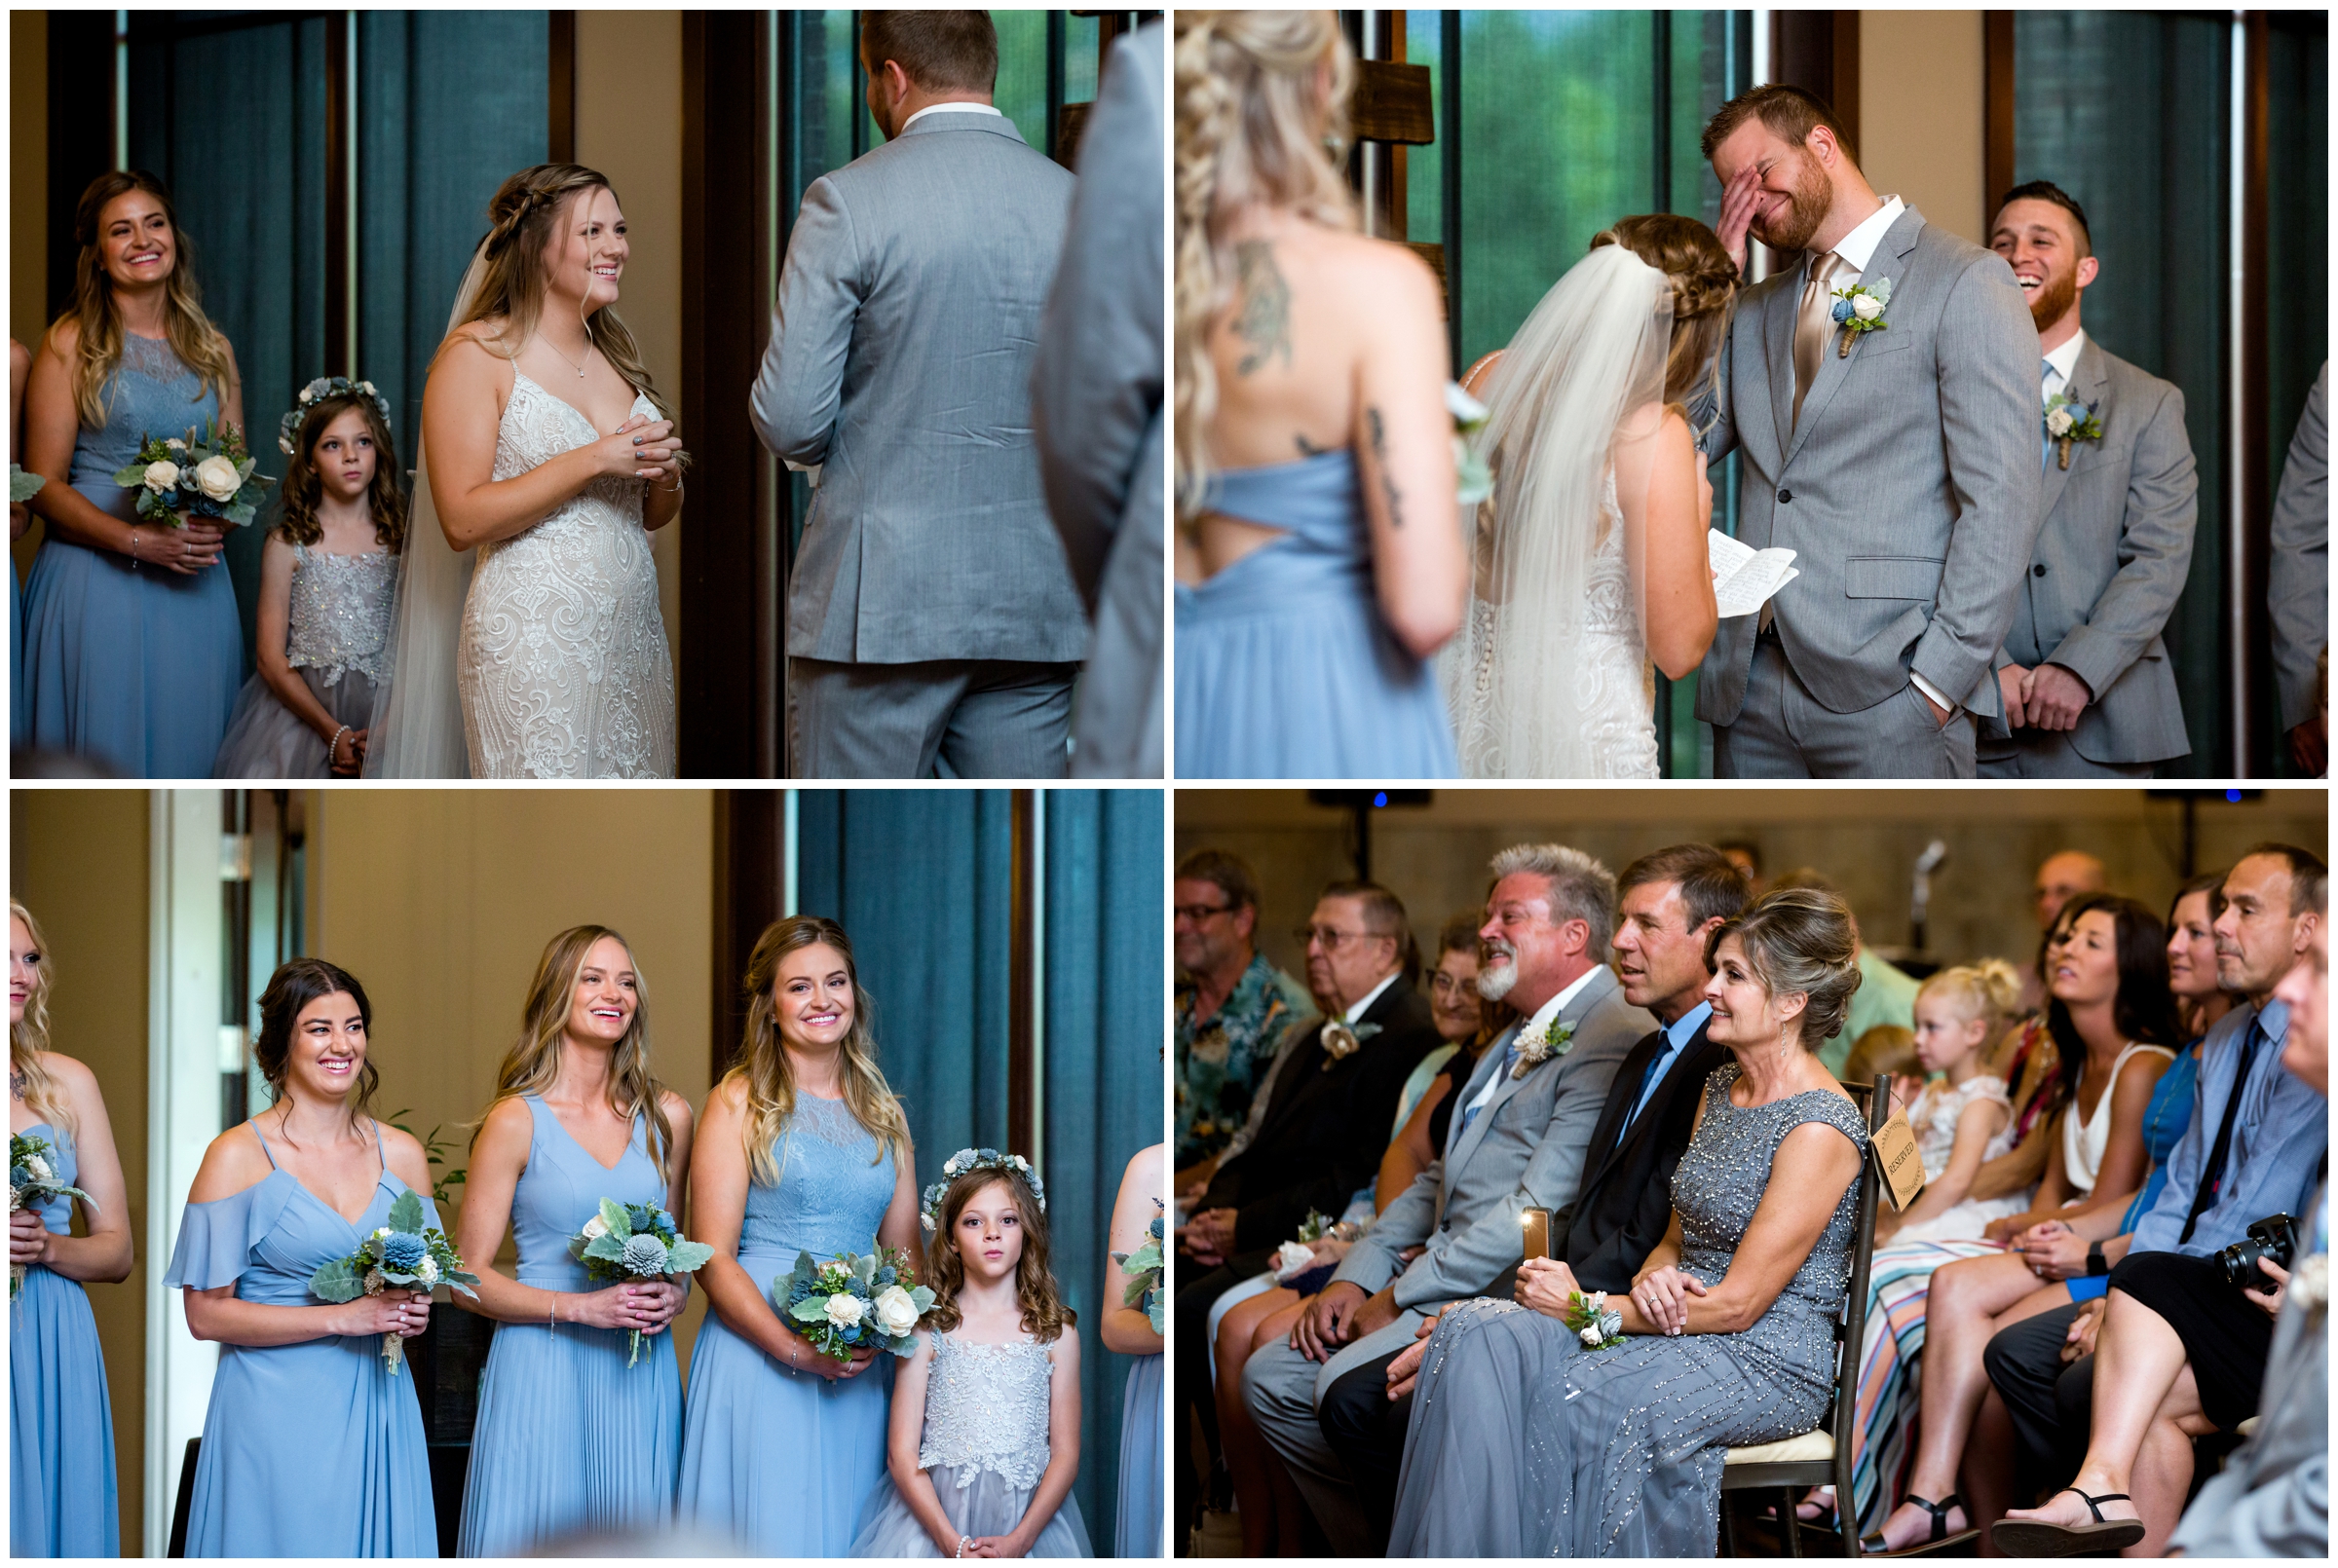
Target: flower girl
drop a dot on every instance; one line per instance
(1961, 1118)
(328, 577)
(985, 1435)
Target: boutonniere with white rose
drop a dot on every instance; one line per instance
(1533, 1050)
(2068, 420)
(206, 475)
(1340, 1041)
(1599, 1325)
(1859, 309)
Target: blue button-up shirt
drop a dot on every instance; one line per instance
(1677, 1035)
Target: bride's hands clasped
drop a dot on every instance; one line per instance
(641, 448)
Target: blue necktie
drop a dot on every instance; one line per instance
(1470, 1112)
(2211, 1174)
(2045, 442)
(1647, 1081)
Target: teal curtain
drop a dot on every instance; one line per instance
(2298, 250)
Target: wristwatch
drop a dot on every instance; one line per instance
(2097, 1263)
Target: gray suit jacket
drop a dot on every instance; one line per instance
(1096, 397)
(2111, 561)
(1908, 490)
(1525, 1149)
(2300, 589)
(900, 362)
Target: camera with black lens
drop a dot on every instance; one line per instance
(2275, 1237)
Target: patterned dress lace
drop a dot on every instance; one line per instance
(343, 607)
(562, 664)
(986, 1409)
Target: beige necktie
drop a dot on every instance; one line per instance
(1814, 324)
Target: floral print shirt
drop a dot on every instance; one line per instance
(1221, 1061)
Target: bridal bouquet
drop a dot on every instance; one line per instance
(32, 1182)
(635, 1240)
(201, 476)
(854, 1303)
(402, 1254)
(1144, 1270)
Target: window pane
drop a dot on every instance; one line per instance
(1022, 91)
(1424, 167)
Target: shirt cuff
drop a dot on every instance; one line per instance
(1939, 699)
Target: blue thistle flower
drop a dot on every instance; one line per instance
(403, 1250)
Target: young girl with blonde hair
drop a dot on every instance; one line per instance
(1962, 1117)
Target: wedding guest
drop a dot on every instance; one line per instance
(328, 586)
(1964, 1115)
(1096, 408)
(1467, 1023)
(1525, 1441)
(802, 1147)
(2255, 1146)
(132, 652)
(1886, 994)
(312, 1443)
(61, 1426)
(1231, 1007)
(572, 1434)
(933, 621)
(1126, 1329)
(1886, 1048)
(1745, 856)
(1310, 429)
(2082, 671)
(985, 1430)
(2299, 584)
(2060, 878)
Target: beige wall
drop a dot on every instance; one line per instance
(1867, 841)
(629, 127)
(1920, 114)
(78, 861)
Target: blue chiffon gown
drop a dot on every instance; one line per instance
(134, 667)
(569, 1437)
(1137, 1527)
(61, 1429)
(1284, 667)
(309, 1450)
(783, 1460)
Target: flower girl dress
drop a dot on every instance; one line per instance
(338, 637)
(985, 1447)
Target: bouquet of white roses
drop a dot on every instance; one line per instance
(32, 1182)
(1144, 1270)
(636, 1241)
(206, 475)
(854, 1303)
(402, 1254)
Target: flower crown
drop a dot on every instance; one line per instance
(966, 1160)
(325, 387)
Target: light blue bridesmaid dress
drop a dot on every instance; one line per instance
(1137, 1529)
(781, 1459)
(569, 1437)
(61, 1430)
(134, 666)
(309, 1450)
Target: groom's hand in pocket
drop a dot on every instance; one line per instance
(1939, 715)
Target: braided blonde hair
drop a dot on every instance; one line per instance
(1251, 129)
(1703, 284)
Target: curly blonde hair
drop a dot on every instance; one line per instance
(1703, 281)
(1990, 989)
(28, 1040)
(1046, 1315)
(1251, 129)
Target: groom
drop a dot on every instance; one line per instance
(933, 624)
(1899, 463)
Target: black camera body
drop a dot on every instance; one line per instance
(2275, 1236)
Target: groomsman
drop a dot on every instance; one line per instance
(2087, 689)
(1894, 450)
(2299, 595)
(933, 624)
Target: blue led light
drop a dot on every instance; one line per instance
(2233, 796)
(1380, 798)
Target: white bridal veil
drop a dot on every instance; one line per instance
(1578, 398)
(419, 731)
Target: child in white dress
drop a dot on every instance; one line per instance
(1963, 1117)
(984, 1441)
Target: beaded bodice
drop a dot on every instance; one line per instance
(833, 1188)
(342, 611)
(986, 1408)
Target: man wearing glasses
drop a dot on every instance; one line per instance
(1232, 1007)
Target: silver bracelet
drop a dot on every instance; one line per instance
(963, 1542)
(333, 745)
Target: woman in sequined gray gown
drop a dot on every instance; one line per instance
(1525, 1442)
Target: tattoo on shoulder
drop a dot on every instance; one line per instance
(1380, 460)
(1264, 319)
(1308, 449)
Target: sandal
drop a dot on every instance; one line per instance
(2038, 1538)
(1872, 1543)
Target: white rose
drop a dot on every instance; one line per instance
(1592, 1337)
(38, 1166)
(1867, 307)
(2059, 422)
(428, 1271)
(595, 1228)
(175, 444)
(897, 1311)
(844, 1310)
(219, 478)
(161, 476)
(382, 1234)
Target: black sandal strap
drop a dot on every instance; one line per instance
(2094, 1504)
(1938, 1512)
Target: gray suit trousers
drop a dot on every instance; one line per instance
(1281, 1388)
(939, 719)
(1783, 731)
(2048, 754)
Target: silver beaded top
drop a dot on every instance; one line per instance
(341, 612)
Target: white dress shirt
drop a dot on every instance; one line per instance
(1541, 1021)
(1371, 996)
(947, 108)
(2065, 361)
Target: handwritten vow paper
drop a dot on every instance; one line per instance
(1745, 577)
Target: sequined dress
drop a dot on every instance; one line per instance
(985, 1446)
(1525, 1444)
(337, 636)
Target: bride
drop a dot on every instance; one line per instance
(548, 456)
(1590, 559)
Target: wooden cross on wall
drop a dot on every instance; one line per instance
(1389, 111)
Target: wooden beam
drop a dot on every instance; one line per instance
(560, 121)
(1997, 97)
(1391, 103)
(748, 873)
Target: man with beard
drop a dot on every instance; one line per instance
(1881, 395)
(2084, 673)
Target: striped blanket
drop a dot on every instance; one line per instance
(1884, 1437)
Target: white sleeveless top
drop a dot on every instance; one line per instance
(2083, 1142)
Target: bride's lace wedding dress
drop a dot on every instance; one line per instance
(563, 661)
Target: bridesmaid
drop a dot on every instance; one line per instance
(310, 1447)
(1129, 1331)
(61, 1429)
(133, 649)
(569, 1437)
(803, 1148)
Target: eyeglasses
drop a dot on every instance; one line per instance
(1330, 935)
(1198, 912)
(1441, 984)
